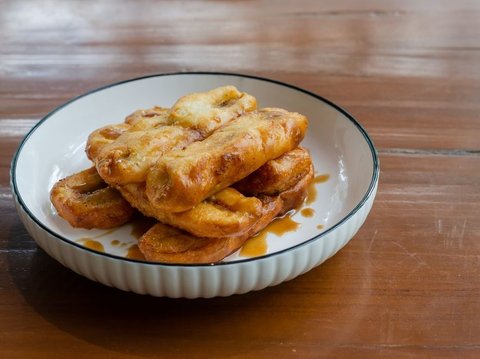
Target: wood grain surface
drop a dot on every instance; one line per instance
(406, 286)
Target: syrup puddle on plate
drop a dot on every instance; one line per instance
(307, 212)
(139, 226)
(257, 245)
(312, 189)
(92, 244)
(135, 253)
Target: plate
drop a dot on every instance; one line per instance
(346, 168)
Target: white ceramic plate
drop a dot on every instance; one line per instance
(54, 148)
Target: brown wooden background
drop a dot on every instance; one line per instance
(407, 285)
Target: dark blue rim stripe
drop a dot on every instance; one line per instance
(375, 174)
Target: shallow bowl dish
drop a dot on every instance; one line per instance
(344, 158)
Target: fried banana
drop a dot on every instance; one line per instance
(149, 118)
(207, 111)
(128, 158)
(139, 120)
(86, 201)
(212, 166)
(278, 175)
(163, 243)
(132, 154)
(228, 211)
(182, 179)
(225, 213)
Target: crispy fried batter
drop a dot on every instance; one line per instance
(98, 139)
(294, 196)
(225, 213)
(182, 179)
(163, 243)
(278, 175)
(210, 218)
(229, 211)
(86, 201)
(207, 111)
(146, 119)
(167, 244)
(139, 120)
(129, 156)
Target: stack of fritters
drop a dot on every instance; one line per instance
(213, 166)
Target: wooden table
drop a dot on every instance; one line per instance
(407, 285)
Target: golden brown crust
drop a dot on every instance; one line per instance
(85, 201)
(294, 196)
(227, 212)
(163, 243)
(132, 154)
(102, 137)
(139, 120)
(208, 111)
(166, 244)
(277, 175)
(182, 179)
(211, 218)
(127, 157)
(146, 119)
(148, 134)
(216, 217)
